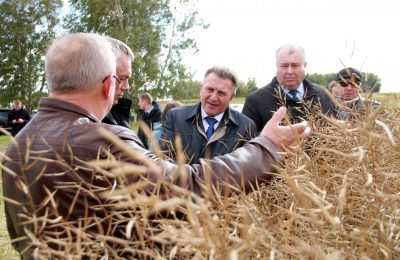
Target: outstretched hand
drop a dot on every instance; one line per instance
(285, 136)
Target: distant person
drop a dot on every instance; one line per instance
(149, 113)
(289, 88)
(18, 117)
(158, 126)
(350, 81)
(335, 89)
(56, 197)
(120, 112)
(209, 128)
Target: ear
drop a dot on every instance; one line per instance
(305, 64)
(107, 87)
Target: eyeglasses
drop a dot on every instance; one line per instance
(118, 79)
(115, 77)
(345, 84)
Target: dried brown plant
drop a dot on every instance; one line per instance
(338, 198)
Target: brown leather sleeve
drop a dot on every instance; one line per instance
(242, 168)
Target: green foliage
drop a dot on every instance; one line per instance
(26, 28)
(371, 82)
(158, 31)
(244, 89)
(321, 79)
(190, 89)
(186, 89)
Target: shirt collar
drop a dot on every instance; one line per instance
(204, 115)
(149, 110)
(300, 89)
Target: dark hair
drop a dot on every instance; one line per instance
(168, 106)
(224, 73)
(353, 74)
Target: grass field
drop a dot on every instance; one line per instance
(6, 251)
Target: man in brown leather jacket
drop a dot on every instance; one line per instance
(49, 179)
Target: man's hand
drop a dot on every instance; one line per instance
(284, 136)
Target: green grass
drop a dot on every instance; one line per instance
(392, 99)
(6, 250)
(135, 126)
(4, 141)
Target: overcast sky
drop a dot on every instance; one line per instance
(244, 35)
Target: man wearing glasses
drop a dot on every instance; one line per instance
(62, 167)
(120, 112)
(350, 80)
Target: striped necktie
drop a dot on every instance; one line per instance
(293, 92)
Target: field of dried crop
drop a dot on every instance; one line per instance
(336, 198)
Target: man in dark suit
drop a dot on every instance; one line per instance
(209, 128)
(120, 112)
(56, 196)
(289, 88)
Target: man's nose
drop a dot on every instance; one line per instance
(125, 86)
(213, 95)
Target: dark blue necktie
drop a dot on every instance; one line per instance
(293, 92)
(211, 122)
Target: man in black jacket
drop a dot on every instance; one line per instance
(58, 202)
(120, 112)
(18, 117)
(200, 139)
(149, 113)
(289, 88)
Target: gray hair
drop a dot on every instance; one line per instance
(224, 73)
(330, 86)
(78, 61)
(291, 48)
(119, 47)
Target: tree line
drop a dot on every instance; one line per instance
(160, 33)
(190, 89)
(370, 83)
